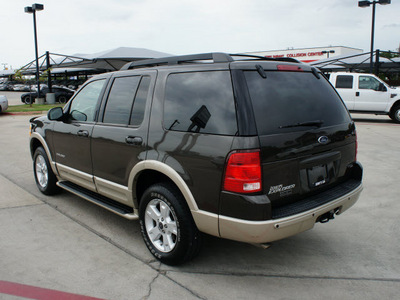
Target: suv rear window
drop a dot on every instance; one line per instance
(288, 98)
(200, 102)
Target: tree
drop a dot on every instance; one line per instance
(18, 76)
(389, 54)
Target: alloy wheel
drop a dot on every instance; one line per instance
(161, 225)
(42, 173)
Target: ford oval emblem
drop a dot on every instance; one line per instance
(323, 140)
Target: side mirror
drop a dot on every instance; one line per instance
(78, 116)
(382, 88)
(55, 113)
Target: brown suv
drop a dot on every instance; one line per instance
(250, 149)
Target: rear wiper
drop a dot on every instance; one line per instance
(261, 71)
(316, 123)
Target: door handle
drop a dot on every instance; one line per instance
(357, 94)
(134, 140)
(83, 133)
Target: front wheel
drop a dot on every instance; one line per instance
(167, 225)
(395, 114)
(44, 176)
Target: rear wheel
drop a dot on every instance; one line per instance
(44, 176)
(395, 114)
(28, 100)
(167, 225)
(62, 99)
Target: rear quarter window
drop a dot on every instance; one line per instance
(288, 98)
(200, 102)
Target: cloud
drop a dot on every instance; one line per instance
(192, 26)
(392, 26)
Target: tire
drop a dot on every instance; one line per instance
(62, 99)
(44, 176)
(28, 100)
(167, 226)
(395, 114)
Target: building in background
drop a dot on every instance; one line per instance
(309, 54)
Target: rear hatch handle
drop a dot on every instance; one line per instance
(320, 159)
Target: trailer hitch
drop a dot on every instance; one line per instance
(326, 217)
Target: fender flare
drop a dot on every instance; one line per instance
(167, 171)
(205, 221)
(394, 104)
(35, 135)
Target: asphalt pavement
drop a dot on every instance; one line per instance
(14, 98)
(64, 246)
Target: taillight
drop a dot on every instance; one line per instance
(289, 68)
(243, 172)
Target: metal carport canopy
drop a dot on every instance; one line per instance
(356, 62)
(114, 59)
(110, 60)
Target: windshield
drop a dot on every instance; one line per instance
(293, 101)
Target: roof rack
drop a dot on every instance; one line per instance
(174, 60)
(288, 59)
(216, 57)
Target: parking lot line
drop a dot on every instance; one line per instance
(33, 292)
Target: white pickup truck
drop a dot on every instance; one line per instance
(366, 93)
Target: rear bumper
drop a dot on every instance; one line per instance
(272, 230)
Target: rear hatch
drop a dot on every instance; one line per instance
(307, 138)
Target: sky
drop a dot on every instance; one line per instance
(192, 26)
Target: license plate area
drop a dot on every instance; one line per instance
(317, 176)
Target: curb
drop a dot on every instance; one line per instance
(25, 112)
(20, 113)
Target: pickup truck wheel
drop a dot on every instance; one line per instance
(44, 176)
(167, 225)
(395, 114)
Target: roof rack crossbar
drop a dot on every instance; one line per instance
(216, 57)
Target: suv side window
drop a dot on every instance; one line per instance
(127, 100)
(200, 102)
(83, 107)
(344, 82)
(368, 83)
(120, 100)
(139, 105)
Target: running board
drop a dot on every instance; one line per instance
(107, 203)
